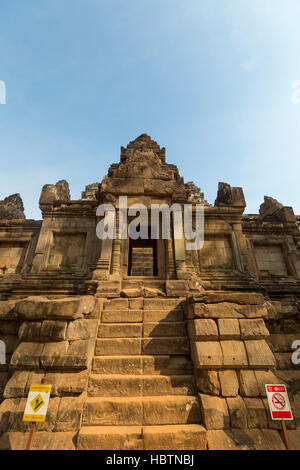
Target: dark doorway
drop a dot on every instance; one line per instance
(142, 260)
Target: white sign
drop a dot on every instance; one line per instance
(37, 403)
(279, 403)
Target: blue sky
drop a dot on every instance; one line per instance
(211, 80)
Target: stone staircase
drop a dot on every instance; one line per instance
(141, 391)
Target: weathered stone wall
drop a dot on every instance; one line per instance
(51, 339)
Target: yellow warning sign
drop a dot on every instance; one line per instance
(37, 403)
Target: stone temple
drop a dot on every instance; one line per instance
(148, 345)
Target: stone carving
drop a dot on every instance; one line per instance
(12, 208)
(55, 192)
(230, 196)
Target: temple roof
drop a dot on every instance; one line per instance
(142, 143)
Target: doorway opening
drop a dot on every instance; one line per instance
(142, 260)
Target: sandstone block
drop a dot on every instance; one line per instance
(69, 414)
(109, 289)
(245, 439)
(203, 329)
(229, 328)
(253, 311)
(179, 437)
(30, 331)
(117, 365)
(27, 355)
(115, 385)
(253, 329)
(256, 413)
(116, 304)
(110, 438)
(220, 310)
(161, 304)
(79, 354)
(150, 292)
(117, 411)
(41, 441)
(82, 329)
(61, 355)
(53, 355)
(243, 298)
(248, 383)
(166, 364)
(118, 346)
(120, 330)
(238, 412)
(208, 382)
(34, 377)
(122, 316)
(177, 288)
(259, 354)
(15, 387)
(229, 383)
(67, 383)
(7, 407)
(135, 304)
(53, 330)
(221, 440)
(234, 354)
(174, 345)
(69, 308)
(15, 422)
(207, 355)
(132, 292)
(214, 412)
(164, 329)
(163, 315)
(170, 410)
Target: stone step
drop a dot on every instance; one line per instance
(163, 304)
(122, 316)
(110, 438)
(164, 364)
(179, 437)
(134, 411)
(120, 330)
(139, 330)
(136, 346)
(164, 329)
(163, 315)
(165, 437)
(138, 316)
(139, 385)
(146, 282)
(162, 345)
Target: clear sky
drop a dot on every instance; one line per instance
(211, 80)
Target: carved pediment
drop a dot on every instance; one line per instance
(142, 145)
(143, 170)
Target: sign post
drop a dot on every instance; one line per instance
(36, 407)
(280, 407)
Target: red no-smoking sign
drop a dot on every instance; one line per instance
(279, 403)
